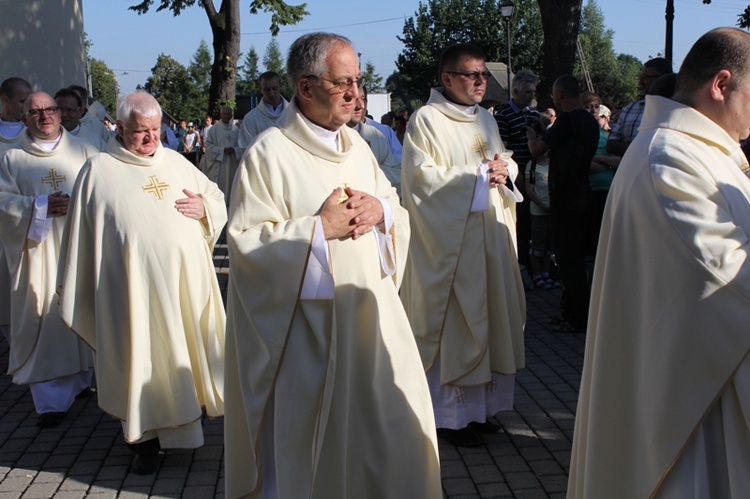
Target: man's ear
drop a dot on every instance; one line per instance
(304, 90)
(721, 85)
(445, 80)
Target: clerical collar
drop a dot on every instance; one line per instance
(46, 145)
(10, 129)
(276, 111)
(328, 137)
(467, 110)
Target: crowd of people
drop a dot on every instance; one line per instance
(376, 300)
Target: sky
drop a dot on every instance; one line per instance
(130, 44)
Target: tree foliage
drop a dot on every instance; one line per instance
(104, 85)
(248, 81)
(436, 25)
(273, 60)
(372, 80)
(614, 84)
(225, 28)
(171, 85)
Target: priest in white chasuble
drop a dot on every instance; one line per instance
(388, 162)
(325, 395)
(462, 288)
(138, 284)
(663, 407)
(35, 179)
(267, 112)
(13, 94)
(222, 152)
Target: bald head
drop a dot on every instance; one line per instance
(713, 79)
(41, 116)
(13, 94)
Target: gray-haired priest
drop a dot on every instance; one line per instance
(139, 286)
(325, 393)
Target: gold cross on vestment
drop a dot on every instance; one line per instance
(155, 187)
(53, 178)
(481, 146)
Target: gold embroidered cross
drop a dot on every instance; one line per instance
(53, 178)
(155, 187)
(481, 146)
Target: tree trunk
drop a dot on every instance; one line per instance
(561, 20)
(225, 27)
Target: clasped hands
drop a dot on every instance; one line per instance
(498, 171)
(57, 204)
(355, 217)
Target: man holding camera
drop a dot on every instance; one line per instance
(512, 120)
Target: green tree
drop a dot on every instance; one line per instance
(171, 85)
(104, 85)
(200, 73)
(373, 81)
(225, 28)
(273, 60)
(248, 82)
(435, 25)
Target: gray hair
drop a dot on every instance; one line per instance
(141, 103)
(523, 78)
(308, 54)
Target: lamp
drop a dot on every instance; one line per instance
(506, 10)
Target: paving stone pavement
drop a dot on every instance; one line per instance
(86, 457)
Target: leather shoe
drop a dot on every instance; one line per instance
(486, 427)
(465, 437)
(144, 464)
(50, 419)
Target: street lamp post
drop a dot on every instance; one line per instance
(506, 10)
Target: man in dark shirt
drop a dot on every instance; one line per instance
(511, 120)
(572, 143)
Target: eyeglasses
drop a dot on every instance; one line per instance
(474, 75)
(343, 85)
(36, 113)
(69, 109)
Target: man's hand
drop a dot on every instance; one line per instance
(335, 216)
(498, 171)
(368, 212)
(191, 206)
(229, 150)
(354, 217)
(57, 204)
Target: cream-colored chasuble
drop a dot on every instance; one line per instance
(256, 121)
(663, 406)
(462, 288)
(139, 286)
(330, 394)
(42, 347)
(221, 167)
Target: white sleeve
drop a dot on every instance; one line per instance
(385, 240)
(318, 281)
(481, 200)
(40, 224)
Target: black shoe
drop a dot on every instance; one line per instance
(86, 392)
(465, 437)
(486, 427)
(145, 464)
(50, 419)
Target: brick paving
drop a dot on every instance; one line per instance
(85, 457)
